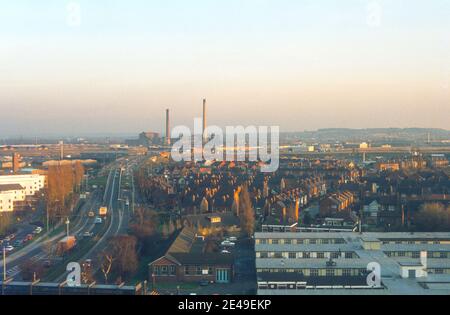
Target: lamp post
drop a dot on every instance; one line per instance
(67, 224)
(4, 263)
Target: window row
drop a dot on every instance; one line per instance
(307, 255)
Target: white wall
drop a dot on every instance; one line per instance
(7, 199)
(32, 183)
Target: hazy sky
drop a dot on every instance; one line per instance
(299, 64)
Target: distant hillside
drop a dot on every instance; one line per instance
(374, 134)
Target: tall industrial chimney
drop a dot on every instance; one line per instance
(204, 120)
(61, 148)
(167, 127)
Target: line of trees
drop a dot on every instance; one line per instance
(433, 217)
(246, 212)
(62, 182)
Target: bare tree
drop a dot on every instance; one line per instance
(247, 214)
(106, 265)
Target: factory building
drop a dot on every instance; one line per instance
(303, 263)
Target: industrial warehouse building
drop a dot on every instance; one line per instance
(298, 263)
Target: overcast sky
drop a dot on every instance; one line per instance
(299, 64)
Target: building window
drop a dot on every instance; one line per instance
(288, 241)
(278, 255)
(199, 270)
(164, 270)
(156, 270)
(264, 255)
(275, 242)
(330, 272)
(312, 241)
(306, 255)
(299, 241)
(346, 272)
(186, 270)
(292, 255)
(415, 254)
(314, 272)
(320, 255)
(172, 270)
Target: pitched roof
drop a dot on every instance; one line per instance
(183, 242)
(9, 187)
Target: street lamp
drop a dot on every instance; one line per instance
(67, 223)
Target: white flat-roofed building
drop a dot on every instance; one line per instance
(31, 182)
(298, 263)
(9, 194)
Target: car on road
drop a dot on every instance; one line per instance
(98, 220)
(18, 243)
(37, 230)
(225, 251)
(91, 214)
(12, 236)
(88, 234)
(227, 243)
(27, 238)
(87, 263)
(232, 239)
(6, 239)
(9, 248)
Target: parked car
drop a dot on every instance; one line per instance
(225, 251)
(98, 220)
(9, 248)
(6, 239)
(18, 243)
(12, 236)
(204, 283)
(29, 237)
(232, 239)
(38, 230)
(91, 214)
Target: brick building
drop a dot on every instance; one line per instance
(187, 261)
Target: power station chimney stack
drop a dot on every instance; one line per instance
(204, 120)
(61, 148)
(167, 127)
